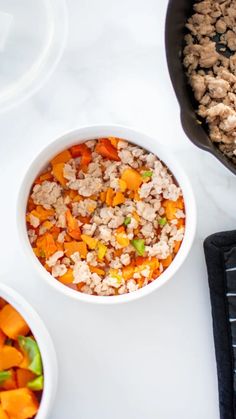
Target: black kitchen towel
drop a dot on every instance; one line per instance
(220, 253)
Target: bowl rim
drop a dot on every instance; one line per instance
(48, 354)
(82, 134)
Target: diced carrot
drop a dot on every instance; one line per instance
(73, 247)
(2, 303)
(46, 245)
(109, 196)
(106, 149)
(67, 278)
(166, 262)
(2, 338)
(23, 376)
(80, 286)
(127, 272)
(84, 220)
(20, 403)
(83, 151)
(177, 246)
(9, 357)
(118, 199)
(170, 209)
(72, 226)
(41, 213)
(58, 173)
(63, 157)
(114, 141)
(96, 270)
(132, 179)
(12, 323)
(103, 196)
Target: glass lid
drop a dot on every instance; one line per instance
(32, 37)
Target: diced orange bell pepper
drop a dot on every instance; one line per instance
(177, 246)
(106, 149)
(170, 209)
(127, 272)
(90, 241)
(96, 270)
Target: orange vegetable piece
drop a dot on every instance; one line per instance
(11, 383)
(166, 262)
(2, 303)
(122, 185)
(96, 270)
(80, 286)
(9, 357)
(109, 196)
(120, 229)
(132, 179)
(20, 403)
(90, 241)
(106, 149)
(2, 338)
(3, 414)
(12, 323)
(83, 151)
(67, 278)
(72, 226)
(63, 157)
(73, 247)
(127, 272)
(177, 246)
(103, 196)
(43, 177)
(179, 203)
(46, 245)
(58, 173)
(118, 199)
(122, 239)
(23, 376)
(84, 220)
(114, 141)
(170, 208)
(42, 213)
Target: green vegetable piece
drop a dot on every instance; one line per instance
(4, 376)
(162, 221)
(139, 246)
(127, 221)
(30, 347)
(36, 384)
(146, 174)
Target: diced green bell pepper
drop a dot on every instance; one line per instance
(139, 246)
(36, 384)
(30, 347)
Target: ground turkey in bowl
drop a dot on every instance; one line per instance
(106, 217)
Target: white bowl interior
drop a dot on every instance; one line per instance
(45, 344)
(142, 140)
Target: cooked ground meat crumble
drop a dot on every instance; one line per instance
(106, 217)
(210, 60)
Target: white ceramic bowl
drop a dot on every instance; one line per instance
(152, 145)
(45, 345)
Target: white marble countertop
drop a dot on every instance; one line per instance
(153, 358)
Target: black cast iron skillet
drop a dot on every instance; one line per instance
(177, 15)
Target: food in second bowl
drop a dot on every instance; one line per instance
(210, 59)
(106, 217)
(21, 370)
